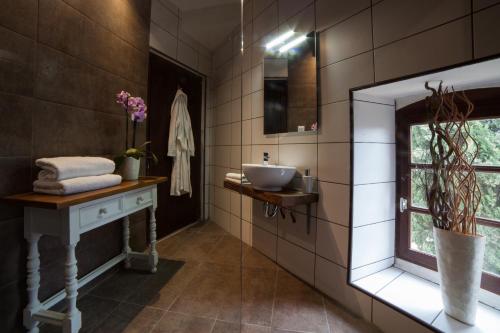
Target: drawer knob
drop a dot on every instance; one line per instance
(139, 200)
(103, 211)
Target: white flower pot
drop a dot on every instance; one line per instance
(460, 263)
(130, 168)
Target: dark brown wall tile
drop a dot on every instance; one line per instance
(16, 63)
(67, 80)
(15, 125)
(20, 16)
(12, 251)
(64, 28)
(13, 298)
(68, 131)
(88, 50)
(129, 19)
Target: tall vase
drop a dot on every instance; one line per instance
(460, 263)
(130, 169)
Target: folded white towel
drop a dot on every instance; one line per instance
(60, 168)
(235, 175)
(237, 181)
(76, 185)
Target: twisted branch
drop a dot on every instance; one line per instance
(452, 192)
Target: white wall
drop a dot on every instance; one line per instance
(405, 37)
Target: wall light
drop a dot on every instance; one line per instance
(293, 43)
(279, 40)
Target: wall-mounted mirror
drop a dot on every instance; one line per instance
(290, 83)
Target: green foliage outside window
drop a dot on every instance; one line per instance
(487, 134)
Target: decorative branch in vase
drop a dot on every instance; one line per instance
(136, 111)
(453, 198)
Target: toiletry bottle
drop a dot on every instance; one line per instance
(307, 182)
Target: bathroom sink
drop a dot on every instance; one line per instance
(268, 177)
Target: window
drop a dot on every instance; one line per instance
(415, 241)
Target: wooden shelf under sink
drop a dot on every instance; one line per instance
(285, 198)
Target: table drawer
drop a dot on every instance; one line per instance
(137, 199)
(98, 212)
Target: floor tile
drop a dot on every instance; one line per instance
(258, 295)
(156, 291)
(128, 318)
(180, 323)
(298, 306)
(225, 327)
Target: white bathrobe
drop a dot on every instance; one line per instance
(180, 145)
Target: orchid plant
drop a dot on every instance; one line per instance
(136, 111)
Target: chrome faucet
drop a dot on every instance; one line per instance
(265, 161)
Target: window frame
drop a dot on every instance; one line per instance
(487, 105)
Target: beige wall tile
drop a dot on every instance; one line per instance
(346, 39)
(222, 156)
(296, 232)
(337, 79)
(258, 153)
(257, 78)
(258, 136)
(480, 4)
(187, 55)
(334, 125)
(333, 242)
(265, 22)
(247, 82)
(162, 40)
(396, 19)
(235, 157)
(297, 260)
(301, 156)
(236, 133)
(288, 8)
(333, 203)
(334, 162)
(257, 104)
(450, 44)
(330, 12)
(236, 110)
(331, 279)
(223, 135)
(247, 132)
(487, 32)
(264, 241)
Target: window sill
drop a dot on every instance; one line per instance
(422, 299)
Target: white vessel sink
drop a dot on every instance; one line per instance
(268, 177)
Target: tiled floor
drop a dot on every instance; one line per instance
(221, 285)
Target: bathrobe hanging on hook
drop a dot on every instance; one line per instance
(180, 145)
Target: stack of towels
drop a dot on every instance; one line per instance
(238, 178)
(68, 175)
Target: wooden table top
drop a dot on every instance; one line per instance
(50, 201)
(285, 198)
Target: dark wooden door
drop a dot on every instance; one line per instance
(173, 212)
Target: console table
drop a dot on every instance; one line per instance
(67, 217)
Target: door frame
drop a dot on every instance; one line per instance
(203, 110)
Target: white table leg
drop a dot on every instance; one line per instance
(126, 240)
(153, 255)
(72, 322)
(33, 283)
